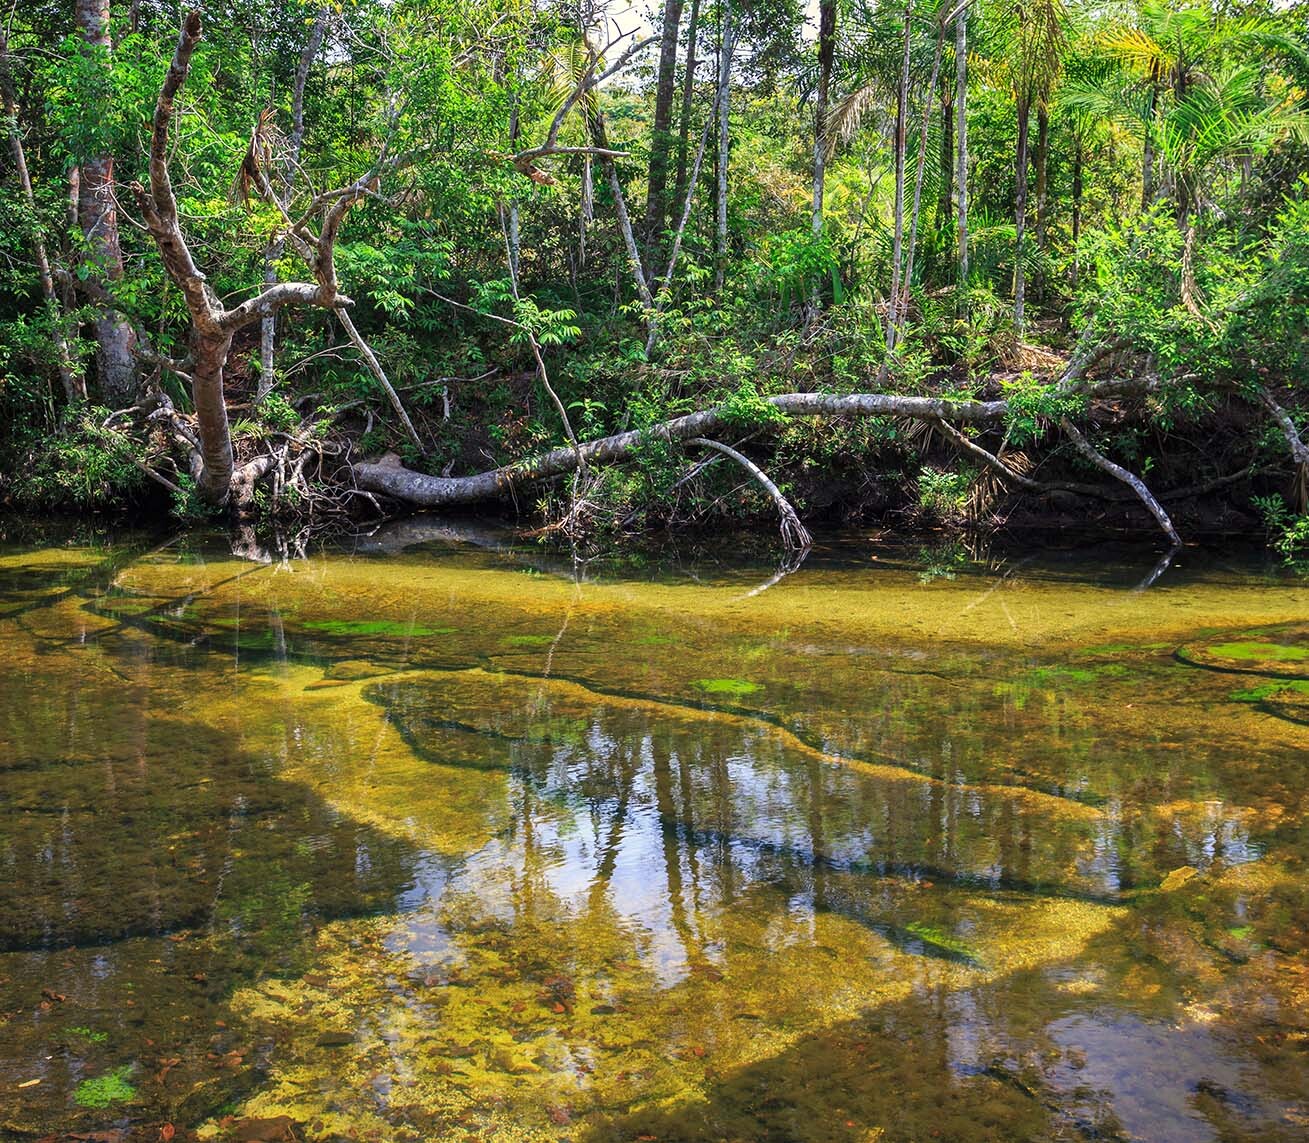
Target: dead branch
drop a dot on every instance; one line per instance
(525, 159)
(795, 536)
(1119, 473)
(1299, 450)
(375, 367)
(993, 462)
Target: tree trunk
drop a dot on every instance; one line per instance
(945, 198)
(725, 47)
(268, 326)
(1042, 163)
(98, 214)
(897, 244)
(1147, 154)
(73, 383)
(661, 138)
(826, 56)
(921, 170)
(1042, 172)
(1077, 208)
(961, 143)
(688, 98)
(390, 478)
(1020, 211)
(209, 356)
(600, 137)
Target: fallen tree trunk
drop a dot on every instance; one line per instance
(389, 478)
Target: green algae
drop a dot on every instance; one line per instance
(90, 1035)
(730, 688)
(103, 1091)
(528, 640)
(365, 627)
(937, 938)
(1270, 690)
(1267, 652)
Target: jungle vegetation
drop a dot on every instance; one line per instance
(967, 262)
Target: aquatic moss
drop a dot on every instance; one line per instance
(940, 939)
(112, 1087)
(1265, 652)
(732, 688)
(1269, 690)
(89, 1034)
(374, 627)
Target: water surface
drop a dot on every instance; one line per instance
(446, 841)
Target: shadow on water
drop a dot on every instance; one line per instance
(150, 864)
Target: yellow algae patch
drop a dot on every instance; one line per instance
(844, 606)
(531, 707)
(56, 559)
(451, 1023)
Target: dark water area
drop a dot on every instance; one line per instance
(442, 836)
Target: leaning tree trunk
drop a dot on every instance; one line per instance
(1020, 211)
(390, 478)
(826, 56)
(268, 326)
(661, 138)
(725, 48)
(98, 213)
(961, 143)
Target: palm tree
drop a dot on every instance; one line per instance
(1166, 50)
(1224, 119)
(1196, 88)
(826, 58)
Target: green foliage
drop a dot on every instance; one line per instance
(942, 494)
(780, 309)
(1034, 405)
(278, 413)
(81, 466)
(745, 408)
(1288, 531)
(106, 1090)
(187, 505)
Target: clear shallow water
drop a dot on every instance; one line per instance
(442, 841)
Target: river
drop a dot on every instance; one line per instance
(439, 840)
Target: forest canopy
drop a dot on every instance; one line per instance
(966, 263)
